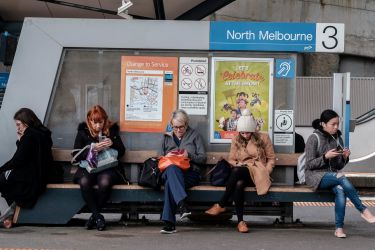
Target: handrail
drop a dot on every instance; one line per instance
(366, 117)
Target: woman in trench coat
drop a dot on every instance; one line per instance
(252, 159)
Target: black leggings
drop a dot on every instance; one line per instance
(96, 199)
(238, 180)
(3, 188)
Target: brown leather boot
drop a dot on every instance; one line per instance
(215, 210)
(242, 227)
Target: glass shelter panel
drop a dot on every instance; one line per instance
(87, 77)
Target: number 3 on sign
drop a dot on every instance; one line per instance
(330, 37)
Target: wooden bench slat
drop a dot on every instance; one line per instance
(61, 154)
(282, 159)
(138, 156)
(301, 188)
(64, 155)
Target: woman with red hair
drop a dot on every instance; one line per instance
(91, 133)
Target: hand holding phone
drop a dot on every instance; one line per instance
(102, 138)
(339, 149)
(177, 152)
(346, 152)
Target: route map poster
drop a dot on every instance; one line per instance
(148, 92)
(240, 85)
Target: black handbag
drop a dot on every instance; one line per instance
(149, 175)
(220, 173)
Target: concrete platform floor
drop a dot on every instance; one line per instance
(315, 232)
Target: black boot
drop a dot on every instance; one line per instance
(183, 209)
(100, 222)
(91, 223)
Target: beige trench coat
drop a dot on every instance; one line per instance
(260, 162)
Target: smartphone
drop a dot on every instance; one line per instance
(177, 152)
(102, 138)
(339, 149)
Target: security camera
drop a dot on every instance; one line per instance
(122, 11)
(125, 5)
(125, 16)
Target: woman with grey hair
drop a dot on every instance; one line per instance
(185, 142)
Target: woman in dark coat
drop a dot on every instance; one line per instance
(24, 177)
(325, 157)
(97, 124)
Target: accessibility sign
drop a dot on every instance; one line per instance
(285, 68)
(299, 37)
(283, 121)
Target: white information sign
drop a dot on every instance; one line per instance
(193, 74)
(283, 139)
(193, 104)
(283, 121)
(193, 85)
(330, 37)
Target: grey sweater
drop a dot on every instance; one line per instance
(316, 166)
(192, 142)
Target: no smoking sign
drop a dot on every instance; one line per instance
(283, 121)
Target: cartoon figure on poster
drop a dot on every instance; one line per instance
(229, 124)
(242, 86)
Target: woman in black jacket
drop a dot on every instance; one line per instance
(24, 177)
(97, 125)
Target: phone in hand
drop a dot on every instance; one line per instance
(339, 149)
(102, 138)
(177, 152)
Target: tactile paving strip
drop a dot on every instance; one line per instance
(330, 204)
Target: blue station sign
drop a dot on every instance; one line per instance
(4, 80)
(298, 37)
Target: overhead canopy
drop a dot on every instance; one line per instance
(17, 10)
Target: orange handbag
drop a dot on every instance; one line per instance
(179, 161)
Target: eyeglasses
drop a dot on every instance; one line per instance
(179, 127)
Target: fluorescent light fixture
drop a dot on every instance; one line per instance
(122, 11)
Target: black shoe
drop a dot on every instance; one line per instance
(184, 210)
(168, 229)
(91, 223)
(100, 223)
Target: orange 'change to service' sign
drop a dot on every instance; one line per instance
(148, 92)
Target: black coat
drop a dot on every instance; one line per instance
(30, 167)
(84, 138)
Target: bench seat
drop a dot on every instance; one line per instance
(61, 202)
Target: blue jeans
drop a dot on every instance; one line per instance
(342, 188)
(175, 183)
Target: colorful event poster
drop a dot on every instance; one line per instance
(148, 92)
(240, 85)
